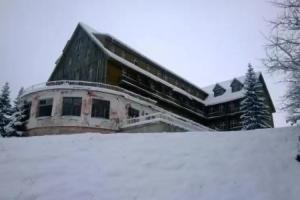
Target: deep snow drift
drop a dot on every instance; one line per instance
(204, 165)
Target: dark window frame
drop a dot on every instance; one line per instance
(236, 88)
(218, 92)
(74, 108)
(45, 107)
(103, 111)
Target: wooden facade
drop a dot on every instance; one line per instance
(81, 60)
(88, 57)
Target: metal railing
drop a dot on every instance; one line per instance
(53, 84)
(169, 118)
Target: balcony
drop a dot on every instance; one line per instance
(152, 92)
(68, 84)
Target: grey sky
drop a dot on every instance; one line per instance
(203, 41)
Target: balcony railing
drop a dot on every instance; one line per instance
(156, 93)
(71, 83)
(184, 123)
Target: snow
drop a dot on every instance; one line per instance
(228, 95)
(90, 32)
(210, 100)
(250, 165)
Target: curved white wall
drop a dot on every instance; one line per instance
(119, 104)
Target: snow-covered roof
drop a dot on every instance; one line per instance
(151, 61)
(91, 32)
(210, 100)
(228, 94)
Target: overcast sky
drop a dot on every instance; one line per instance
(203, 41)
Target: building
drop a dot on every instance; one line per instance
(100, 84)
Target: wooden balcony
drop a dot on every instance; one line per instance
(142, 88)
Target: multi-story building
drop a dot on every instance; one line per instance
(100, 84)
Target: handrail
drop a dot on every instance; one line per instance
(182, 122)
(83, 83)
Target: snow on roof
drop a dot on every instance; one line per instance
(153, 62)
(90, 32)
(210, 100)
(228, 94)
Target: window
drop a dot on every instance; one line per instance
(222, 125)
(132, 113)
(118, 51)
(45, 107)
(221, 108)
(218, 92)
(236, 88)
(236, 85)
(158, 73)
(234, 123)
(152, 85)
(135, 61)
(234, 106)
(100, 108)
(27, 108)
(139, 79)
(211, 109)
(72, 106)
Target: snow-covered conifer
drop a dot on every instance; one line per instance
(5, 108)
(255, 111)
(17, 120)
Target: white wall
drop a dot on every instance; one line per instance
(118, 108)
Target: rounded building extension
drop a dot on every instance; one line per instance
(76, 106)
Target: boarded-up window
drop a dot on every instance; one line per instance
(45, 107)
(100, 108)
(72, 106)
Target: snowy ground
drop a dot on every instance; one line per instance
(168, 166)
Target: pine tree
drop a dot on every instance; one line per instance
(17, 100)
(17, 123)
(5, 108)
(255, 111)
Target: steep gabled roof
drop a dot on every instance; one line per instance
(91, 33)
(210, 100)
